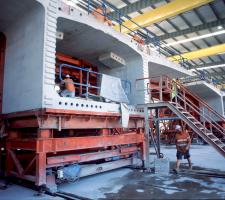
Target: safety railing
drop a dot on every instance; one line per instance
(160, 86)
(202, 103)
(156, 86)
(86, 86)
(143, 32)
(83, 86)
(205, 116)
(203, 76)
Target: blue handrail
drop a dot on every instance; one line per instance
(125, 83)
(87, 85)
(154, 39)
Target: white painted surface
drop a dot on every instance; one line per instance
(24, 51)
(208, 93)
(31, 80)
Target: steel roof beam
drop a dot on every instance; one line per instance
(207, 65)
(213, 74)
(193, 29)
(161, 13)
(134, 7)
(213, 50)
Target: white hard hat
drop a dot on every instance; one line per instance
(178, 127)
(67, 76)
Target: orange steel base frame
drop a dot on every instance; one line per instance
(39, 141)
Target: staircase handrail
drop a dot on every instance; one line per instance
(202, 102)
(206, 117)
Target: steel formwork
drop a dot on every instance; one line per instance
(40, 141)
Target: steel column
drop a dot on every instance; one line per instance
(146, 140)
(40, 169)
(157, 131)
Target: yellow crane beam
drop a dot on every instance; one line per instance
(201, 53)
(161, 13)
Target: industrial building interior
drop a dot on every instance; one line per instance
(112, 99)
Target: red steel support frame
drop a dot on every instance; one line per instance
(44, 150)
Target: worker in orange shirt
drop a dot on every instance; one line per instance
(183, 142)
(69, 90)
(101, 14)
(138, 39)
(107, 20)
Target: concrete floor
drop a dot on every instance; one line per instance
(134, 184)
(21, 193)
(141, 186)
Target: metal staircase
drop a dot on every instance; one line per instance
(192, 110)
(198, 127)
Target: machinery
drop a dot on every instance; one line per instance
(48, 138)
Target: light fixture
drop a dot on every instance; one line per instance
(208, 67)
(219, 27)
(196, 38)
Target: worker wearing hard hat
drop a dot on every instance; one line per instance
(100, 13)
(69, 90)
(138, 39)
(183, 143)
(174, 90)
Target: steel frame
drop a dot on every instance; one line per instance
(192, 111)
(32, 154)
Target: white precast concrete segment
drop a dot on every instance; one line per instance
(208, 93)
(24, 54)
(29, 77)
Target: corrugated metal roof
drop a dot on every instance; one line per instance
(208, 13)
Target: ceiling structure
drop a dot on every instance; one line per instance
(198, 28)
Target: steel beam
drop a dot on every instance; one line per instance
(71, 119)
(146, 141)
(66, 159)
(75, 143)
(99, 168)
(134, 7)
(206, 65)
(161, 13)
(200, 53)
(193, 29)
(78, 143)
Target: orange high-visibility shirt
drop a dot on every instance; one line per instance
(99, 15)
(69, 85)
(182, 140)
(138, 39)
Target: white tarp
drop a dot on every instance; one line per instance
(111, 88)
